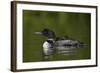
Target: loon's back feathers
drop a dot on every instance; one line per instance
(68, 44)
(65, 44)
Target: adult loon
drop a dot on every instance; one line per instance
(55, 44)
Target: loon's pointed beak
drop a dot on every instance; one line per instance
(40, 33)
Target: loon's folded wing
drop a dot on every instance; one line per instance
(68, 44)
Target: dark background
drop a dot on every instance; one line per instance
(75, 25)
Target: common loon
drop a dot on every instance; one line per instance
(55, 44)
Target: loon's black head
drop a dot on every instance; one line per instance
(47, 33)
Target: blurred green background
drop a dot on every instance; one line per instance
(75, 25)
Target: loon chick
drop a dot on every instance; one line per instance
(56, 43)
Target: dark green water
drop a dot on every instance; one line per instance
(75, 25)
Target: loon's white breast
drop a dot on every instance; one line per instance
(46, 45)
(47, 48)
